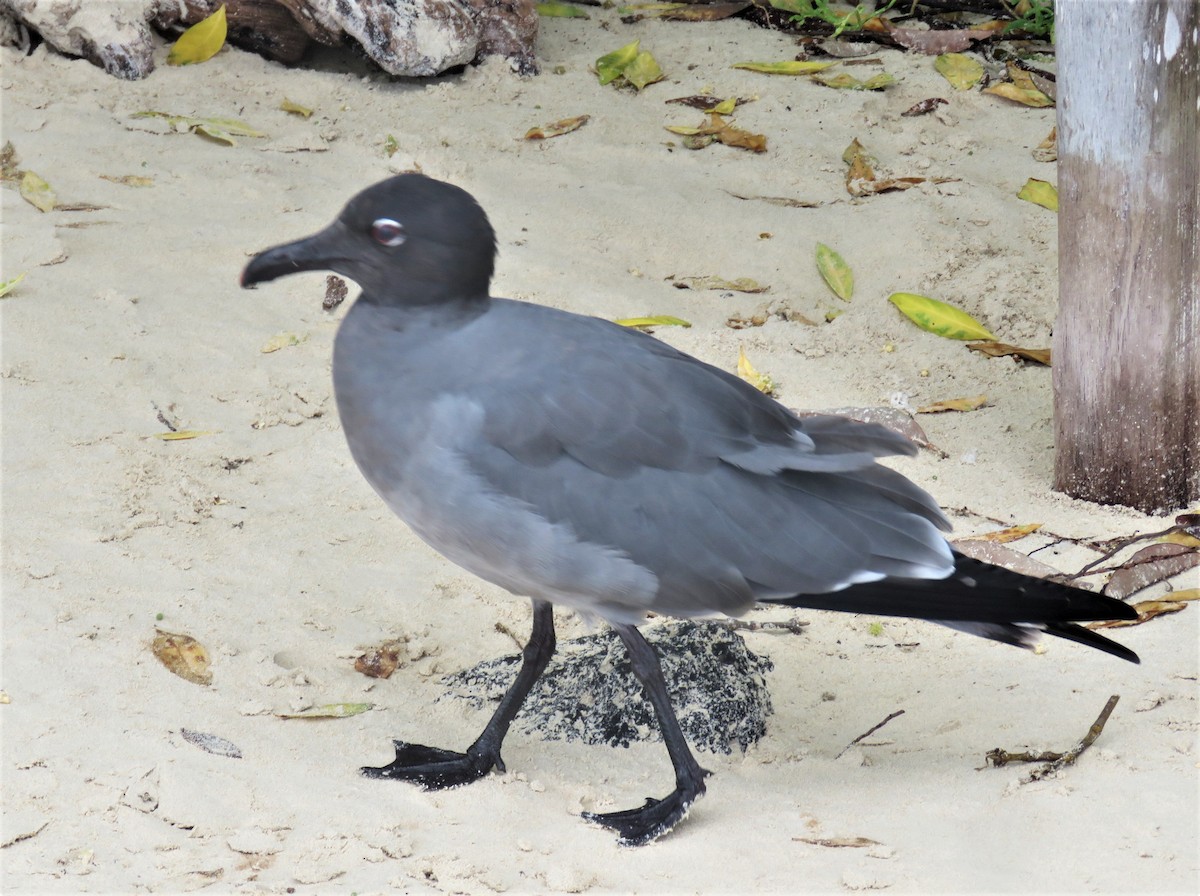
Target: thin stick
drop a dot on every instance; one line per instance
(1054, 761)
(869, 732)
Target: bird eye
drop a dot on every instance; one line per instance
(387, 232)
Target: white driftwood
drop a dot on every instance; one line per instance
(412, 38)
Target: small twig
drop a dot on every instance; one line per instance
(869, 732)
(791, 626)
(1054, 760)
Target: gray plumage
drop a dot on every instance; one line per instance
(580, 463)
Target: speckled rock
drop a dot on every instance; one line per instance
(718, 688)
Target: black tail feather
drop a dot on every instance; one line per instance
(978, 592)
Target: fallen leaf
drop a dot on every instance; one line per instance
(183, 655)
(659, 320)
(7, 286)
(222, 129)
(643, 71)
(282, 340)
(1047, 150)
(788, 67)
(9, 162)
(210, 743)
(1003, 536)
(843, 81)
(746, 371)
(783, 201)
(719, 129)
(129, 180)
(200, 42)
(390, 146)
(932, 42)
(1149, 566)
(612, 65)
(838, 841)
(682, 12)
(961, 71)
(939, 317)
(37, 192)
(1026, 96)
(741, 284)
(1001, 555)
(954, 404)
(561, 11)
(709, 103)
(1040, 192)
(1183, 538)
(1001, 349)
(924, 107)
(557, 128)
(328, 711)
(180, 435)
(835, 272)
(1146, 610)
(381, 661)
(295, 108)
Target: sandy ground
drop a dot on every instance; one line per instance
(262, 541)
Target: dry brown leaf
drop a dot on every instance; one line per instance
(183, 655)
(381, 661)
(1000, 555)
(925, 106)
(741, 284)
(1047, 150)
(954, 404)
(934, 43)
(838, 841)
(1146, 610)
(557, 128)
(1150, 565)
(1001, 349)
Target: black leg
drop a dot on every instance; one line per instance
(435, 769)
(657, 817)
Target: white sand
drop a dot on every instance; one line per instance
(262, 541)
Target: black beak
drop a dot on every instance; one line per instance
(324, 251)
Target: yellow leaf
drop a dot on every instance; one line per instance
(788, 67)
(1012, 533)
(1184, 595)
(561, 11)
(954, 404)
(37, 192)
(295, 108)
(201, 41)
(835, 272)
(938, 317)
(1173, 537)
(282, 340)
(1024, 96)
(557, 128)
(1039, 192)
(328, 711)
(747, 372)
(843, 81)
(7, 286)
(181, 434)
(612, 65)
(725, 107)
(129, 180)
(659, 320)
(643, 70)
(183, 655)
(741, 284)
(960, 70)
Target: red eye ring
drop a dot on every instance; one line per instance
(387, 232)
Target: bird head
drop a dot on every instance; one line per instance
(408, 240)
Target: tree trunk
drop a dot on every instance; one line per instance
(1126, 344)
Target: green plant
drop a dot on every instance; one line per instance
(852, 20)
(1035, 17)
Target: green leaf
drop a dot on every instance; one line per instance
(7, 286)
(844, 81)
(835, 272)
(1039, 192)
(788, 67)
(658, 320)
(37, 192)
(939, 318)
(561, 11)
(328, 711)
(960, 70)
(612, 65)
(200, 42)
